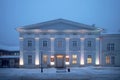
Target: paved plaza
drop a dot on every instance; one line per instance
(76, 73)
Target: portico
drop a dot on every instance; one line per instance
(63, 42)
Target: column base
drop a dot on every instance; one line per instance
(37, 66)
(21, 66)
(82, 65)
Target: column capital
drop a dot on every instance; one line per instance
(52, 38)
(67, 38)
(97, 38)
(37, 38)
(21, 38)
(82, 38)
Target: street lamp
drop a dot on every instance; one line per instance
(41, 62)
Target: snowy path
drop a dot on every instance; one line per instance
(76, 73)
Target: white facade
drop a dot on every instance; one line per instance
(60, 43)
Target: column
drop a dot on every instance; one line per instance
(52, 45)
(52, 51)
(67, 51)
(100, 53)
(82, 51)
(97, 62)
(37, 51)
(67, 45)
(21, 63)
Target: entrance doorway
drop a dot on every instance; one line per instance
(59, 61)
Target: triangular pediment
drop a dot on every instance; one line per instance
(59, 24)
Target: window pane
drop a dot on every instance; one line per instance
(59, 43)
(107, 59)
(29, 59)
(89, 59)
(44, 43)
(45, 59)
(74, 43)
(29, 43)
(74, 56)
(112, 60)
(74, 62)
(74, 59)
(89, 43)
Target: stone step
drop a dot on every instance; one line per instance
(60, 70)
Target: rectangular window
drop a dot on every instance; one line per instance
(89, 43)
(29, 59)
(59, 43)
(89, 59)
(29, 43)
(52, 59)
(74, 59)
(67, 58)
(107, 59)
(74, 43)
(45, 43)
(110, 46)
(45, 59)
(112, 60)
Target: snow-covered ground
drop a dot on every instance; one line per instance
(76, 73)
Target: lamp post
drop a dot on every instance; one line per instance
(41, 62)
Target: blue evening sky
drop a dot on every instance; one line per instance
(15, 13)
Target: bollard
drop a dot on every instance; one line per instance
(41, 69)
(68, 69)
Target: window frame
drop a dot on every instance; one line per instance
(29, 59)
(89, 43)
(74, 58)
(45, 43)
(74, 43)
(29, 43)
(59, 43)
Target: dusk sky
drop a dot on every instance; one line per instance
(15, 13)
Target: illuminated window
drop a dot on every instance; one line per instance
(45, 59)
(89, 59)
(29, 59)
(29, 43)
(74, 59)
(45, 43)
(74, 56)
(52, 59)
(74, 43)
(74, 62)
(59, 43)
(107, 59)
(67, 58)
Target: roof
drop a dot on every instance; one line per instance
(58, 24)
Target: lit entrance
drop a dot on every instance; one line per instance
(59, 61)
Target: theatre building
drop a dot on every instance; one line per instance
(63, 43)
